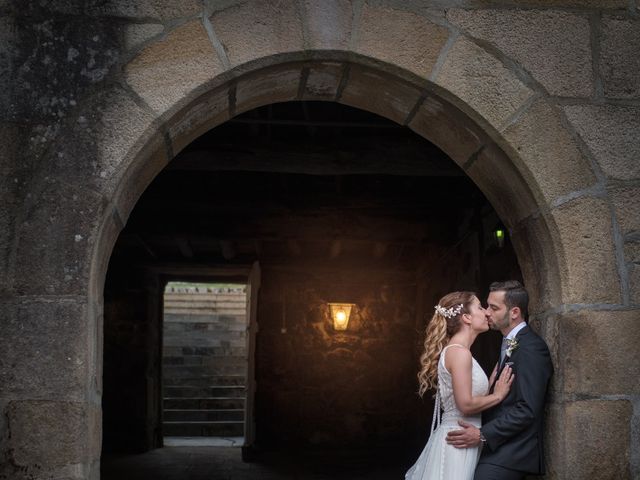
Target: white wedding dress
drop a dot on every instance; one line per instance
(439, 460)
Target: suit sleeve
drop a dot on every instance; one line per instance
(533, 371)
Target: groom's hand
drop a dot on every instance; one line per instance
(468, 437)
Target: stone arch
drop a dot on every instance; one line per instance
(492, 117)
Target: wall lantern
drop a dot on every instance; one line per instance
(499, 234)
(340, 313)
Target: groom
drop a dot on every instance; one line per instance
(511, 432)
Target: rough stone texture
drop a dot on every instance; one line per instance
(550, 155)
(108, 132)
(31, 423)
(350, 379)
(401, 38)
(622, 5)
(150, 161)
(135, 34)
(8, 37)
(168, 71)
(242, 30)
(591, 348)
(611, 133)
(626, 201)
(496, 176)
(448, 129)
(587, 433)
(72, 7)
(55, 331)
(619, 59)
(537, 256)
(553, 46)
(54, 59)
(379, 94)
(161, 9)
(270, 86)
(632, 250)
(328, 24)
(11, 180)
(200, 116)
(323, 81)
(57, 216)
(590, 273)
(634, 281)
(480, 81)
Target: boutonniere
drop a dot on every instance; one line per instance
(512, 346)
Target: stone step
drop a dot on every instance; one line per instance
(173, 296)
(226, 415)
(206, 352)
(205, 327)
(180, 371)
(183, 391)
(206, 381)
(196, 342)
(203, 429)
(218, 365)
(217, 353)
(207, 318)
(203, 403)
(216, 348)
(206, 308)
(211, 305)
(208, 356)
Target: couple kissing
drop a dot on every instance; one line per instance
(483, 428)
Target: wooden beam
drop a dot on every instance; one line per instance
(257, 245)
(370, 158)
(184, 246)
(228, 249)
(145, 246)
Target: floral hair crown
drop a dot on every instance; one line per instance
(449, 312)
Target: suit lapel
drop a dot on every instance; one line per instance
(523, 331)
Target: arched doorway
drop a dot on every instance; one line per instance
(512, 186)
(335, 204)
(400, 101)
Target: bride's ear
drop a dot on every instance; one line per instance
(466, 318)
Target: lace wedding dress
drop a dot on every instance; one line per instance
(439, 460)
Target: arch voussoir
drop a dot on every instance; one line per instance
(167, 72)
(241, 30)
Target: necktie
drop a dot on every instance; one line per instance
(503, 349)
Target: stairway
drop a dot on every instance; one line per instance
(204, 361)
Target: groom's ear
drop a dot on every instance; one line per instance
(516, 312)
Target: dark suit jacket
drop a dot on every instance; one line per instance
(514, 428)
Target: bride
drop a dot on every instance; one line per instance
(462, 386)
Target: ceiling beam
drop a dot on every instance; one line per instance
(228, 249)
(184, 246)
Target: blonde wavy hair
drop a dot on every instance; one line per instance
(438, 332)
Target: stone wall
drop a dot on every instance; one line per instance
(332, 390)
(131, 400)
(538, 101)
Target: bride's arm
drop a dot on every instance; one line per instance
(459, 364)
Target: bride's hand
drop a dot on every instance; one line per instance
(503, 385)
(493, 374)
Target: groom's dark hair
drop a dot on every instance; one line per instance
(515, 295)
